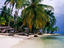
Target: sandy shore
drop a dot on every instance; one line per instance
(8, 41)
(18, 41)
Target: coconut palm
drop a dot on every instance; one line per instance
(35, 15)
(17, 23)
(17, 3)
(5, 13)
(50, 25)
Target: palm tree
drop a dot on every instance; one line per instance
(17, 23)
(35, 15)
(50, 25)
(17, 3)
(5, 13)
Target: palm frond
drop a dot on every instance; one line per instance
(46, 6)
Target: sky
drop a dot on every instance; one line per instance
(58, 12)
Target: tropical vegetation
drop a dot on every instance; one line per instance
(34, 16)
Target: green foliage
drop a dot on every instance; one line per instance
(19, 3)
(35, 15)
(5, 13)
(50, 25)
(17, 23)
(2, 21)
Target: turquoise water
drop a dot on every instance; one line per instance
(53, 41)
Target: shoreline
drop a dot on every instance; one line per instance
(18, 41)
(27, 37)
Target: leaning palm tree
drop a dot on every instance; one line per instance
(35, 15)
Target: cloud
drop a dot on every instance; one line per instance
(57, 4)
(59, 12)
(1, 3)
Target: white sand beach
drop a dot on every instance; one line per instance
(29, 42)
(8, 41)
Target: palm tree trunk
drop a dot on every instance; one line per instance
(9, 17)
(10, 14)
(16, 17)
